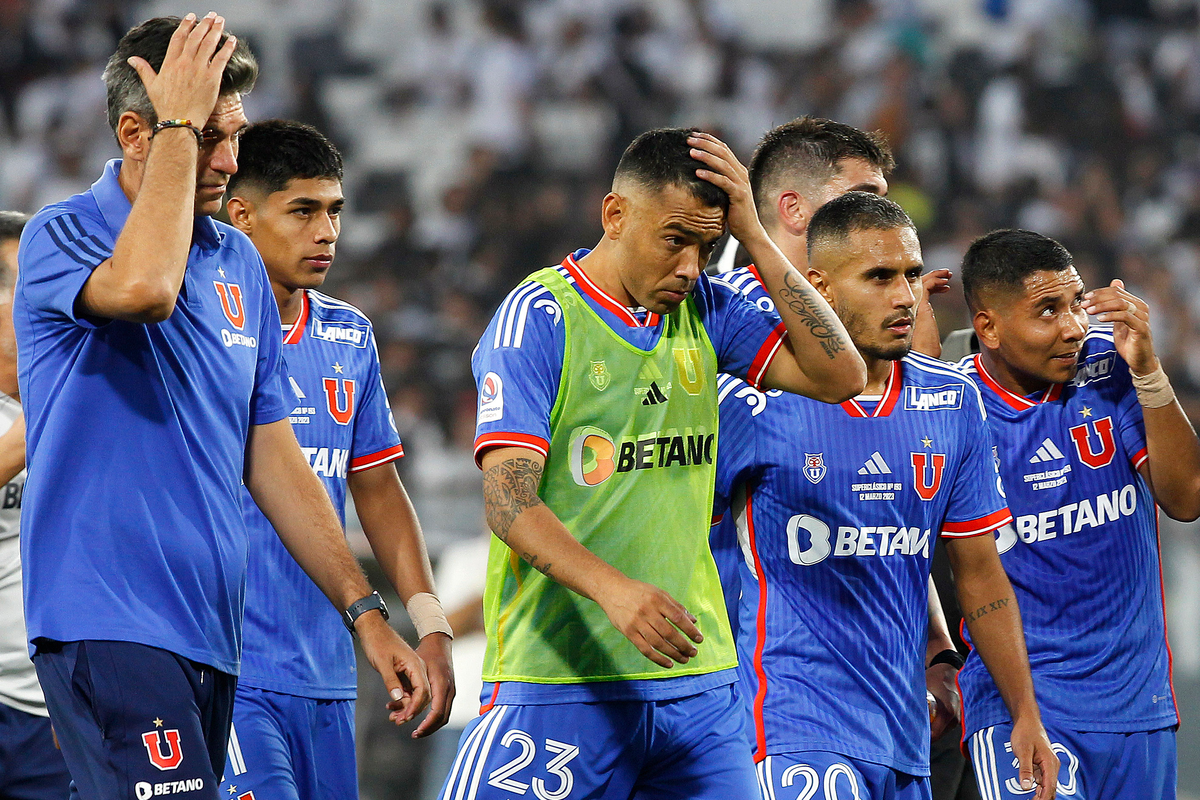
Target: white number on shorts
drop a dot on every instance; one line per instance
(557, 766)
(811, 780)
(501, 776)
(831, 776)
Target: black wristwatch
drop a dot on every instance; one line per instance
(360, 607)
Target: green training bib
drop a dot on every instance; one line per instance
(630, 474)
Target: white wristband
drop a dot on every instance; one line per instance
(1153, 390)
(425, 611)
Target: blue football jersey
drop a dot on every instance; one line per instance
(1083, 552)
(835, 510)
(293, 638)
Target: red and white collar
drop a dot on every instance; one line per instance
(295, 333)
(891, 394)
(604, 298)
(1013, 399)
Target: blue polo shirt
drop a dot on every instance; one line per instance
(132, 524)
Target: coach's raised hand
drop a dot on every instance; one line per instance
(187, 84)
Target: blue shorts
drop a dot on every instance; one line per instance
(31, 767)
(1092, 765)
(691, 748)
(135, 721)
(285, 747)
(819, 773)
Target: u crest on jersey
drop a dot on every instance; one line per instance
(1082, 435)
(335, 389)
(153, 741)
(231, 303)
(927, 473)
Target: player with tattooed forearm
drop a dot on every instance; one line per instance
(610, 659)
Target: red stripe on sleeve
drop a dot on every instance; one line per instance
(375, 459)
(1139, 458)
(490, 440)
(764, 357)
(977, 527)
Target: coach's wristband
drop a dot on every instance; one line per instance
(178, 123)
(359, 607)
(951, 657)
(1153, 390)
(425, 611)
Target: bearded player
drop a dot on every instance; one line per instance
(293, 719)
(836, 511)
(1090, 439)
(797, 168)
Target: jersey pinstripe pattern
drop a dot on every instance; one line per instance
(1083, 553)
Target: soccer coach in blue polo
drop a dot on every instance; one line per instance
(149, 366)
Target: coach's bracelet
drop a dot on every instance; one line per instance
(162, 125)
(947, 656)
(425, 611)
(1153, 390)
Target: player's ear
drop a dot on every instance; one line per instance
(984, 322)
(133, 135)
(613, 214)
(794, 211)
(820, 282)
(241, 213)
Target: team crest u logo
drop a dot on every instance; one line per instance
(690, 368)
(154, 748)
(231, 303)
(599, 376)
(927, 473)
(1081, 435)
(333, 388)
(814, 467)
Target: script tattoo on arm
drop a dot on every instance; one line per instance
(509, 488)
(796, 296)
(995, 605)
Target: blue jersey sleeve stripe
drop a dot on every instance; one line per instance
(64, 246)
(81, 239)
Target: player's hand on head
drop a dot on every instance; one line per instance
(1130, 317)
(723, 170)
(187, 84)
(661, 629)
(434, 650)
(1036, 762)
(936, 281)
(402, 670)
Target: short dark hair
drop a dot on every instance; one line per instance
(810, 148)
(277, 151)
(1004, 259)
(855, 211)
(662, 157)
(11, 224)
(149, 41)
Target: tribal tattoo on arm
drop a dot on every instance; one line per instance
(509, 488)
(796, 296)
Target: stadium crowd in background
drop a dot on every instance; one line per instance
(480, 136)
